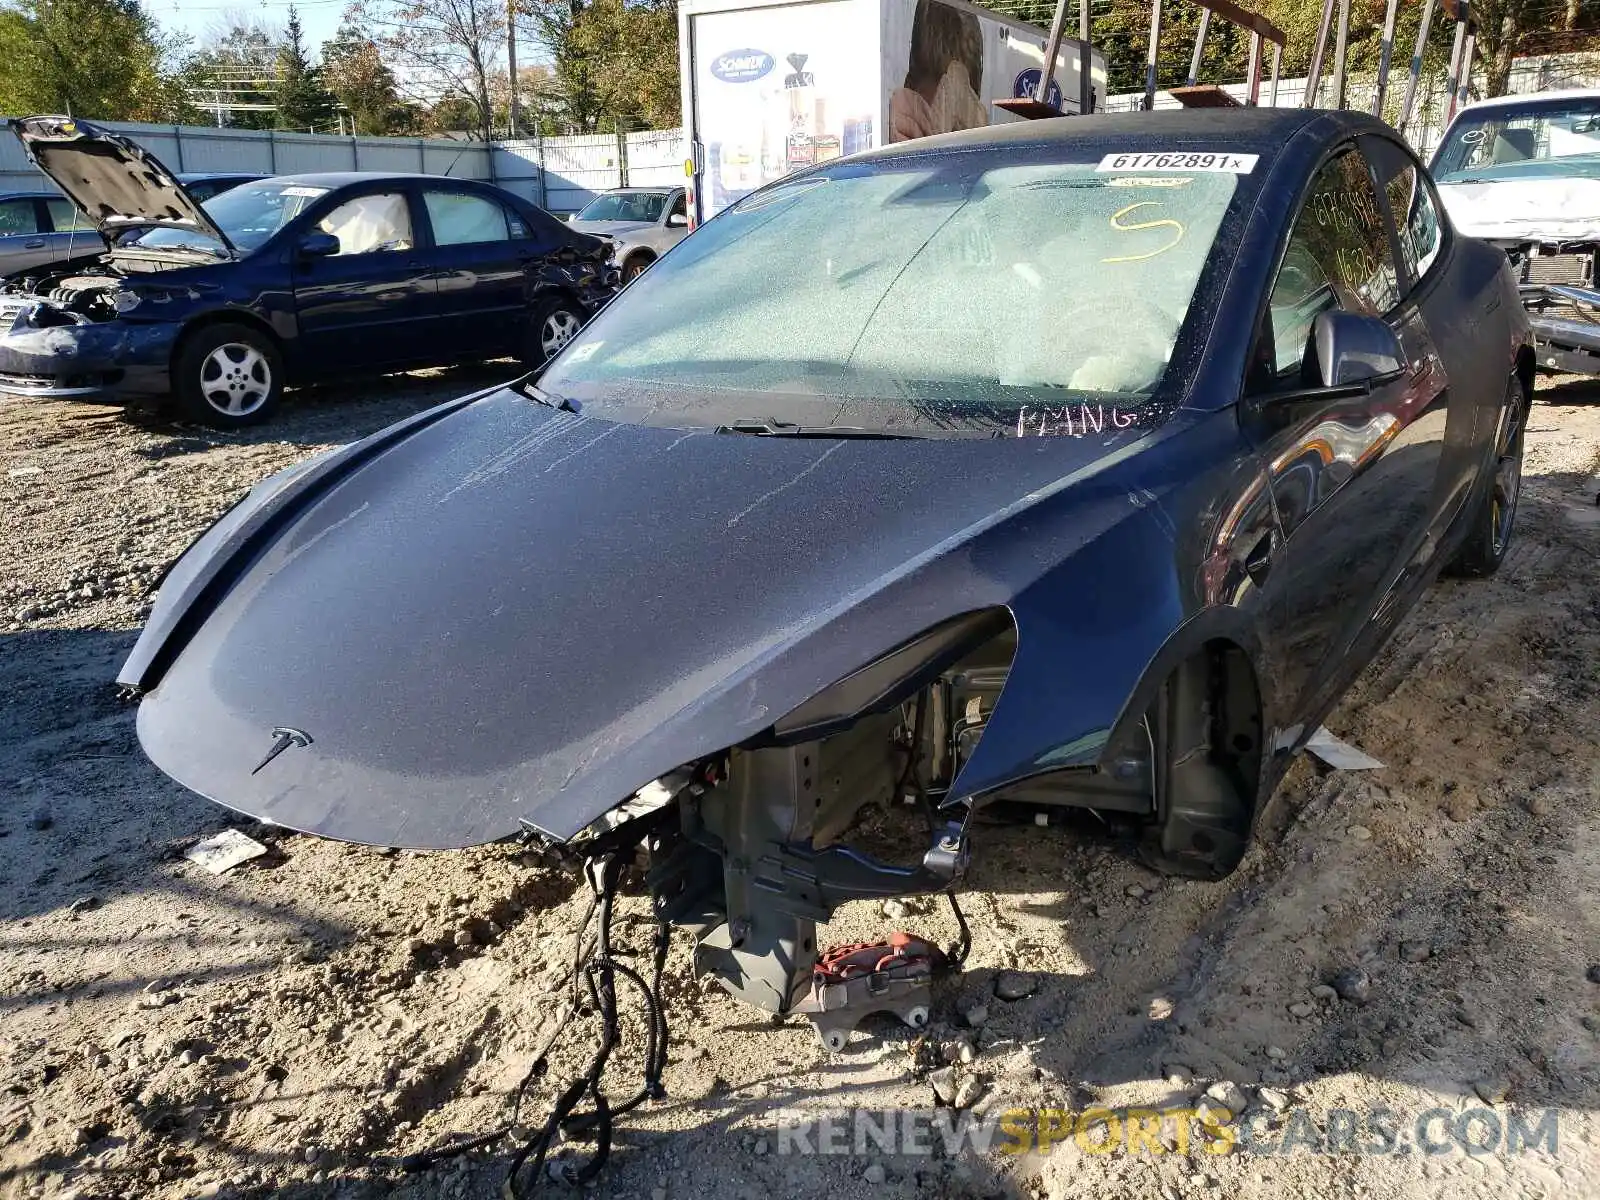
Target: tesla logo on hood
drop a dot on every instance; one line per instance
(286, 737)
(741, 66)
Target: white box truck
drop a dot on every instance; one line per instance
(772, 86)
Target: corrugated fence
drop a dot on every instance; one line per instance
(562, 174)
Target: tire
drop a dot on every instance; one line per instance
(554, 323)
(1493, 516)
(636, 265)
(228, 376)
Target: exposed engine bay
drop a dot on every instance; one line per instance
(1557, 286)
(101, 289)
(750, 850)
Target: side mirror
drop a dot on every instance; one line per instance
(319, 245)
(678, 220)
(1355, 351)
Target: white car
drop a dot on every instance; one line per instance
(643, 223)
(1523, 172)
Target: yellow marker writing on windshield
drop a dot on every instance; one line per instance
(1117, 224)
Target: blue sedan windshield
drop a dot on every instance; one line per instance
(249, 215)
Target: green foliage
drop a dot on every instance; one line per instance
(354, 71)
(101, 59)
(614, 63)
(1121, 30)
(304, 103)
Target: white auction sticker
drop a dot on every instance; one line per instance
(1233, 164)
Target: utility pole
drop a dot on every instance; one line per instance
(511, 62)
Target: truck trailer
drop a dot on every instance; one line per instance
(774, 86)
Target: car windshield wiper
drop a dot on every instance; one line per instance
(764, 428)
(549, 399)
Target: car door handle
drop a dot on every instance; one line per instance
(34, 244)
(1258, 563)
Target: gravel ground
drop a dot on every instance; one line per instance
(1423, 937)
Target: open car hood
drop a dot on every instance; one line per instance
(111, 179)
(497, 615)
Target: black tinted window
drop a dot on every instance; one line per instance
(1338, 257)
(1411, 202)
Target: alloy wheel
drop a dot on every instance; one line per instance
(235, 379)
(558, 329)
(1507, 478)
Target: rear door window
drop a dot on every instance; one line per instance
(64, 218)
(463, 218)
(1412, 203)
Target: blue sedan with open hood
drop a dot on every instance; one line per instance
(1050, 467)
(293, 279)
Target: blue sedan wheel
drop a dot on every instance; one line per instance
(228, 376)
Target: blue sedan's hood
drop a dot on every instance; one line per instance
(510, 615)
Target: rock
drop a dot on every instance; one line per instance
(1593, 974)
(463, 938)
(1492, 1090)
(1324, 992)
(968, 1092)
(416, 947)
(1135, 891)
(1228, 1094)
(1274, 1099)
(1469, 1016)
(943, 1082)
(1178, 1075)
(976, 1015)
(312, 1153)
(761, 1147)
(960, 1051)
(1014, 985)
(895, 910)
(1415, 952)
(1353, 984)
(875, 1174)
(1100, 910)
(83, 904)
(1537, 806)
(41, 818)
(1277, 1053)
(1592, 1024)
(1302, 1008)
(1212, 1113)
(1160, 1008)
(1359, 833)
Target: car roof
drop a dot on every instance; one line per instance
(31, 196)
(1140, 131)
(1535, 98)
(195, 176)
(338, 179)
(657, 190)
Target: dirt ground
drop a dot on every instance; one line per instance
(291, 1027)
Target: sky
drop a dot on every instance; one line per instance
(320, 18)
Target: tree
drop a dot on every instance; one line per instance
(102, 59)
(236, 68)
(440, 47)
(303, 102)
(614, 62)
(354, 71)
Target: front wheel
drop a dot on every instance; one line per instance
(555, 323)
(1492, 520)
(228, 376)
(636, 265)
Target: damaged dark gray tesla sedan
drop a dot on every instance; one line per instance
(1075, 464)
